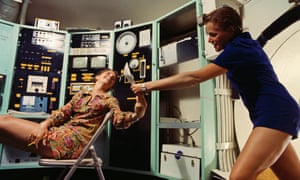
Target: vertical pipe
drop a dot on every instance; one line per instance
(23, 12)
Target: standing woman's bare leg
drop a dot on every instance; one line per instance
(288, 165)
(15, 132)
(262, 149)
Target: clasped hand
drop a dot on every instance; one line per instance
(38, 134)
(137, 89)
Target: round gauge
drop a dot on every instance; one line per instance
(126, 42)
(133, 63)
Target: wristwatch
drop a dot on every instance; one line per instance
(144, 89)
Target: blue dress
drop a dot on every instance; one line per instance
(251, 74)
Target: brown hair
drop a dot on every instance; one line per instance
(225, 17)
(104, 70)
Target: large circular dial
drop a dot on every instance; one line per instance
(126, 42)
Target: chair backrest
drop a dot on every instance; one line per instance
(107, 117)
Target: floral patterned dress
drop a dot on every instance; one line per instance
(75, 123)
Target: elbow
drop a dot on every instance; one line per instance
(141, 113)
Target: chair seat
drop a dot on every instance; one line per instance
(88, 156)
(67, 162)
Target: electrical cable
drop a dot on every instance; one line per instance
(226, 141)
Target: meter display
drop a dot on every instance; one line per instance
(89, 53)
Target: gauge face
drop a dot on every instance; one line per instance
(126, 42)
(133, 63)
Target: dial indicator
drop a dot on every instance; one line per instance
(126, 42)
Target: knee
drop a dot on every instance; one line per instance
(4, 119)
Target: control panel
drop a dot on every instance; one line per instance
(37, 71)
(133, 48)
(89, 53)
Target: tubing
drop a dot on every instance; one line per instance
(24, 11)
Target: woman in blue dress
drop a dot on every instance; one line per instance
(273, 111)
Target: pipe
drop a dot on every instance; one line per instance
(23, 12)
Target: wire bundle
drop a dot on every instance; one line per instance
(226, 145)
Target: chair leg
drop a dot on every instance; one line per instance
(63, 173)
(71, 172)
(97, 163)
(100, 173)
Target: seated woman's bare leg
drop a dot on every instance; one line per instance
(16, 133)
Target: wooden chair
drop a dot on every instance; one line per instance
(82, 161)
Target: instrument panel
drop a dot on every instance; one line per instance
(37, 71)
(133, 47)
(89, 53)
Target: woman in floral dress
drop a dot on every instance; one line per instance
(67, 130)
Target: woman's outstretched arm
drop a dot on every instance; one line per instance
(181, 80)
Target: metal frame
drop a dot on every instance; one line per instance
(82, 160)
